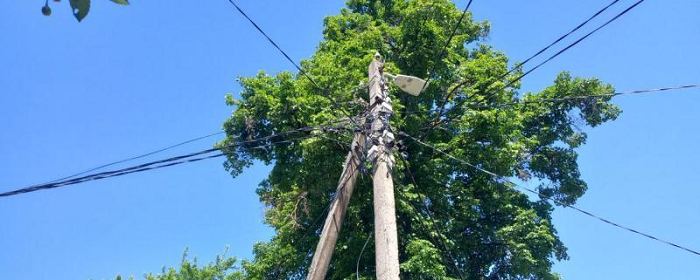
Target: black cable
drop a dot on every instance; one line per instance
(566, 205)
(573, 44)
(436, 228)
(564, 99)
(137, 157)
(559, 39)
(184, 156)
(459, 104)
(359, 257)
(449, 40)
(159, 163)
(273, 43)
(531, 57)
(167, 164)
(325, 92)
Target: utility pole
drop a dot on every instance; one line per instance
(382, 140)
(336, 213)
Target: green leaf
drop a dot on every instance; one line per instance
(121, 2)
(80, 8)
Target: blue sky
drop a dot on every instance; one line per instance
(133, 79)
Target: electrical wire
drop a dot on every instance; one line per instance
(559, 39)
(325, 92)
(442, 106)
(587, 213)
(137, 157)
(550, 198)
(605, 95)
(520, 77)
(191, 157)
(304, 129)
(436, 228)
(359, 257)
(573, 44)
(564, 99)
(274, 44)
(447, 43)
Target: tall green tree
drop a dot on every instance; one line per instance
(490, 230)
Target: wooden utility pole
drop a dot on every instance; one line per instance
(336, 213)
(382, 140)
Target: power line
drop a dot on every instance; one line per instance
(191, 157)
(563, 99)
(447, 43)
(564, 204)
(569, 98)
(550, 198)
(573, 44)
(436, 228)
(516, 67)
(137, 157)
(459, 104)
(325, 92)
(359, 257)
(273, 43)
(560, 39)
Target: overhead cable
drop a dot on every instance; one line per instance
(325, 92)
(520, 77)
(550, 198)
(191, 157)
(447, 44)
(137, 157)
(579, 97)
(573, 44)
(559, 39)
(593, 96)
(433, 223)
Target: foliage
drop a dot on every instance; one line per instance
(79, 8)
(223, 268)
(491, 230)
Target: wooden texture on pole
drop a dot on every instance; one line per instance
(382, 141)
(336, 213)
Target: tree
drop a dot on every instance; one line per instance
(490, 230)
(79, 8)
(222, 268)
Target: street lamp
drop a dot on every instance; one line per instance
(411, 85)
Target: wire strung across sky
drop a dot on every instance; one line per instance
(201, 137)
(574, 43)
(139, 156)
(568, 47)
(177, 160)
(550, 198)
(579, 97)
(516, 67)
(206, 154)
(434, 224)
(325, 92)
(274, 44)
(447, 44)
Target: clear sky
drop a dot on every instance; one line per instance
(128, 80)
